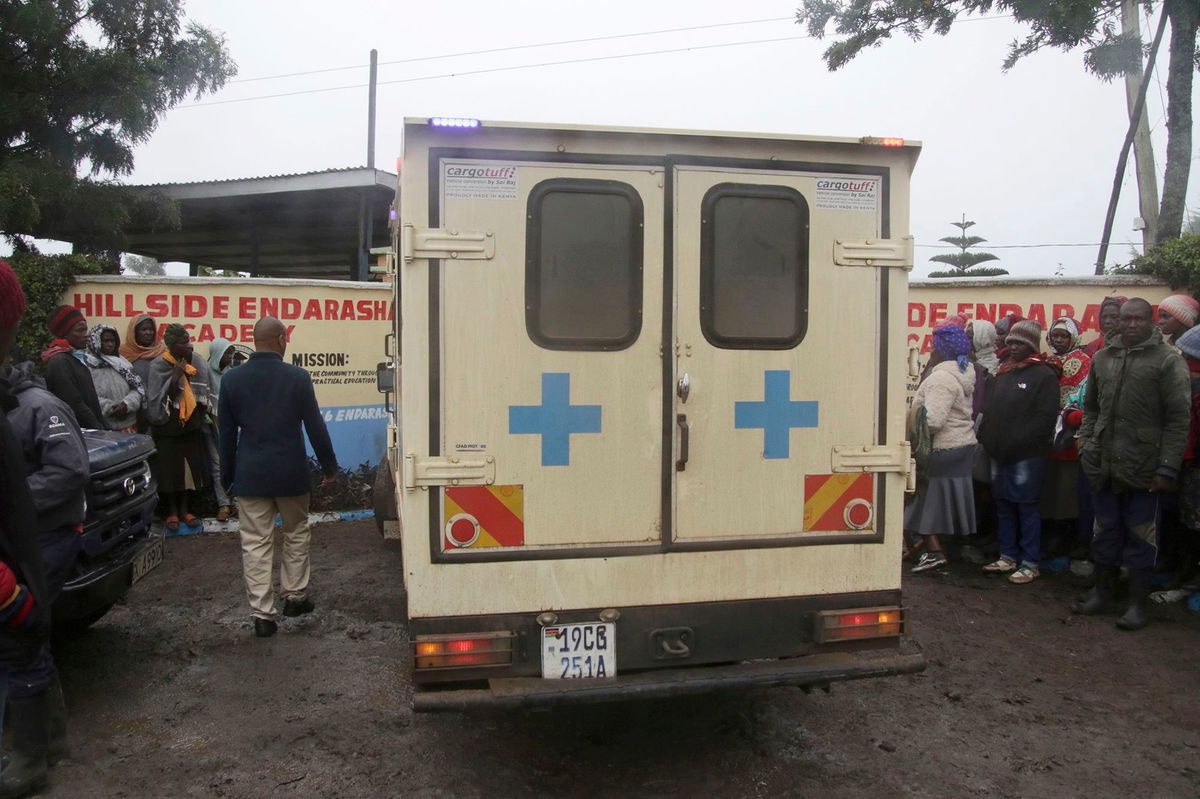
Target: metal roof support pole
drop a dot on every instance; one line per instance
(366, 232)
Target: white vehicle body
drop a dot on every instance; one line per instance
(650, 395)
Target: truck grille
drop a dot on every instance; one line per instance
(116, 488)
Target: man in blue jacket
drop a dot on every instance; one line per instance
(262, 406)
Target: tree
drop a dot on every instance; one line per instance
(1175, 262)
(141, 265)
(45, 279)
(84, 82)
(1089, 24)
(964, 261)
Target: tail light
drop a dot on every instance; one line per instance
(854, 625)
(463, 650)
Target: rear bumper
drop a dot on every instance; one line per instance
(532, 692)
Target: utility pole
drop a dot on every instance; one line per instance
(1143, 150)
(366, 222)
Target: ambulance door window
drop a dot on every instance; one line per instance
(583, 273)
(754, 266)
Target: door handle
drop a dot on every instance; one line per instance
(681, 464)
(684, 387)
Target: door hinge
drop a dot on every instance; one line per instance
(882, 458)
(446, 243)
(453, 471)
(874, 252)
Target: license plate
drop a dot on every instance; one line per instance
(579, 651)
(147, 560)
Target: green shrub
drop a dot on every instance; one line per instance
(979, 271)
(45, 279)
(1175, 262)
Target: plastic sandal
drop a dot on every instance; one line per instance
(172, 523)
(189, 520)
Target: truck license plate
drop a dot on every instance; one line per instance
(579, 651)
(147, 560)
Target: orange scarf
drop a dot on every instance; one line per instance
(131, 351)
(187, 399)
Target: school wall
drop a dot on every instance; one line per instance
(1041, 299)
(336, 331)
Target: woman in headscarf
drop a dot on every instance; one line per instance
(1110, 322)
(983, 341)
(945, 505)
(177, 400)
(1176, 315)
(120, 391)
(1016, 432)
(140, 347)
(1060, 497)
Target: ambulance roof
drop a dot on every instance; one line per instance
(721, 134)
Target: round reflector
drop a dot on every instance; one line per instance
(462, 529)
(858, 514)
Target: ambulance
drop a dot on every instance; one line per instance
(647, 431)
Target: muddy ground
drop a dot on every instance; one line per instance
(172, 696)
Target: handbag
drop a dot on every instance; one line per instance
(920, 440)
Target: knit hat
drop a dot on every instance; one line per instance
(1027, 331)
(952, 343)
(12, 299)
(63, 319)
(1116, 299)
(1189, 342)
(1005, 324)
(173, 334)
(1182, 307)
(958, 319)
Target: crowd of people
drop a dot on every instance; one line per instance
(1054, 449)
(156, 385)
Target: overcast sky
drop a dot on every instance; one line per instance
(1029, 154)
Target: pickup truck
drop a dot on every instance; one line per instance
(120, 543)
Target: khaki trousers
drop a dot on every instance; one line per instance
(257, 528)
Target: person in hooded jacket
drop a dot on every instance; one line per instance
(1132, 442)
(1016, 432)
(24, 611)
(945, 505)
(222, 356)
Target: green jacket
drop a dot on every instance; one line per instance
(1136, 412)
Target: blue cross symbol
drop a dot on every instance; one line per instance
(555, 419)
(777, 414)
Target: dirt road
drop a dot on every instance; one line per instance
(172, 696)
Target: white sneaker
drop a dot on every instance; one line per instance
(930, 561)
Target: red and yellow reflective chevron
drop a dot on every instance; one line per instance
(483, 516)
(827, 496)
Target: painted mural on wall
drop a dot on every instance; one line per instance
(336, 332)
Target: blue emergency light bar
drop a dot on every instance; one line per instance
(453, 122)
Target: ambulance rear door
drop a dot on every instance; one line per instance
(779, 353)
(546, 358)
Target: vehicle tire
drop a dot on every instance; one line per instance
(72, 628)
(383, 495)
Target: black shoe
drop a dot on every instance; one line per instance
(1100, 597)
(264, 628)
(297, 607)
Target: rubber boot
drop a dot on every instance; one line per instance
(57, 748)
(1098, 599)
(1139, 591)
(25, 772)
